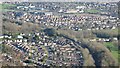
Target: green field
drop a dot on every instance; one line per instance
(5, 7)
(114, 50)
(108, 44)
(115, 54)
(92, 11)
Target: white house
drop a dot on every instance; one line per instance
(1, 37)
(81, 7)
(20, 37)
(60, 11)
(48, 13)
(20, 41)
(115, 39)
(71, 11)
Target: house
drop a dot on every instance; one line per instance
(61, 11)
(81, 11)
(1, 42)
(22, 34)
(6, 36)
(9, 37)
(33, 43)
(93, 40)
(103, 40)
(18, 40)
(45, 44)
(81, 7)
(48, 13)
(20, 37)
(32, 6)
(115, 39)
(25, 40)
(1, 37)
(71, 11)
(10, 41)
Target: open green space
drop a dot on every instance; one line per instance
(92, 11)
(5, 7)
(115, 54)
(113, 49)
(108, 44)
(111, 46)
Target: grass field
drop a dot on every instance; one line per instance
(5, 7)
(114, 50)
(115, 54)
(108, 44)
(92, 11)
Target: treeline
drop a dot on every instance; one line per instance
(100, 53)
(11, 26)
(106, 33)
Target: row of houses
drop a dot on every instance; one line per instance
(104, 39)
(44, 47)
(73, 22)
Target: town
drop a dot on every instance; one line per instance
(60, 34)
(74, 18)
(58, 50)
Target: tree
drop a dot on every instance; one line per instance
(50, 31)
